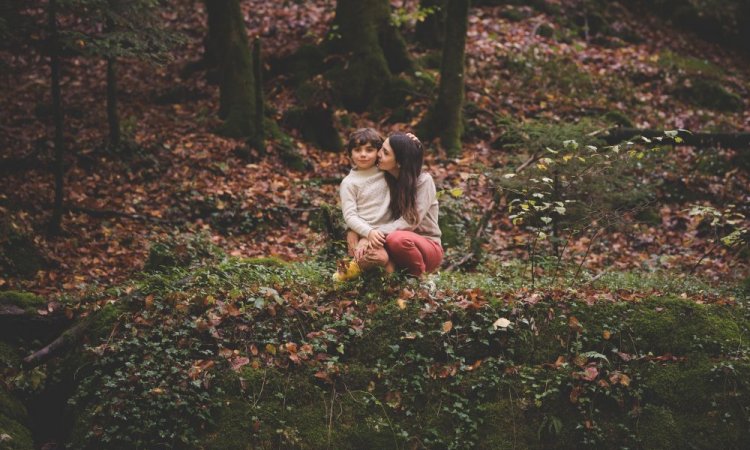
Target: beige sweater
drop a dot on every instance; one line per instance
(364, 200)
(427, 211)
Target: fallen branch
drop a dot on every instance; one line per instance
(68, 338)
(109, 213)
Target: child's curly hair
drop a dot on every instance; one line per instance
(364, 136)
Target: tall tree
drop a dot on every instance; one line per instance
(238, 99)
(445, 118)
(373, 48)
(115, 29)
(54, 47)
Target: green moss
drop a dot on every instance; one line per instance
(681, 326)
(26, 300)
(658, 430)
(267, 261)
(14, 436)
(234, 431)
(8, 355)
(505, 427)
(710, 94)
(18, 252)
(12, 407)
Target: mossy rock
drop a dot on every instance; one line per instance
(681, 326)
(181, 251)
(710, 94)
(286, 148)
(19, 255)
(14, 436)
(28, 301)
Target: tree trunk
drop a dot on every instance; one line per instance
(259, 102)
(374, 50)
(55, 221)
(445, 119)
(431, 31)
(237, 88)
(112, 117)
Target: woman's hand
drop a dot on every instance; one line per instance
(376, 238)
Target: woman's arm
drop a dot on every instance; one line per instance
(425, 198)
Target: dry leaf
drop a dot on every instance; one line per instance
(447, 326)
(501, 323)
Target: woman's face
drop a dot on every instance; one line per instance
(387, 159)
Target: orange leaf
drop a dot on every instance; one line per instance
(606, 334)
(447, 326)
(574, 324)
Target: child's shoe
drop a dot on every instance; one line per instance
(347, 272)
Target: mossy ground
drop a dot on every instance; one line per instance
(269, 354)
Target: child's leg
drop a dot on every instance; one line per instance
(352, 239)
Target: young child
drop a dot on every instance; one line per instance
(365, 198)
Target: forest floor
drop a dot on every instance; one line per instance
(180, 177)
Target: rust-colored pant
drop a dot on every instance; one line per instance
(406, 249)
(415, 253)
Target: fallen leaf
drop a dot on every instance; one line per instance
(447, 326)
(501, 323)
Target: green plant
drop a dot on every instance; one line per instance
(577, 188)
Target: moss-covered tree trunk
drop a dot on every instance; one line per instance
(430, 32)
(237, 86)
(445, 119)
(373, 49)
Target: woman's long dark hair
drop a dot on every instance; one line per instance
(409, 155)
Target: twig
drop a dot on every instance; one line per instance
(705, 255)
(528, 162)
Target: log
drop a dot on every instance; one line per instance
(698, 139)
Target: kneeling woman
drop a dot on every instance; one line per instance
(413, 240)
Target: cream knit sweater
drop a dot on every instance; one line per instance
(427, 212)
(364, 200)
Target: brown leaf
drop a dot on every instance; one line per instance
(447, 326)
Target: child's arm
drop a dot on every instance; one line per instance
(349, 208)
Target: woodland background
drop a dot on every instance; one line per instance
(168, 186)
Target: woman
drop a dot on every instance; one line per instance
(413, 240)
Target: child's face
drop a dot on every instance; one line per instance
(364, 156)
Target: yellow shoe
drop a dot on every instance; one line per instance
(346, 273)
